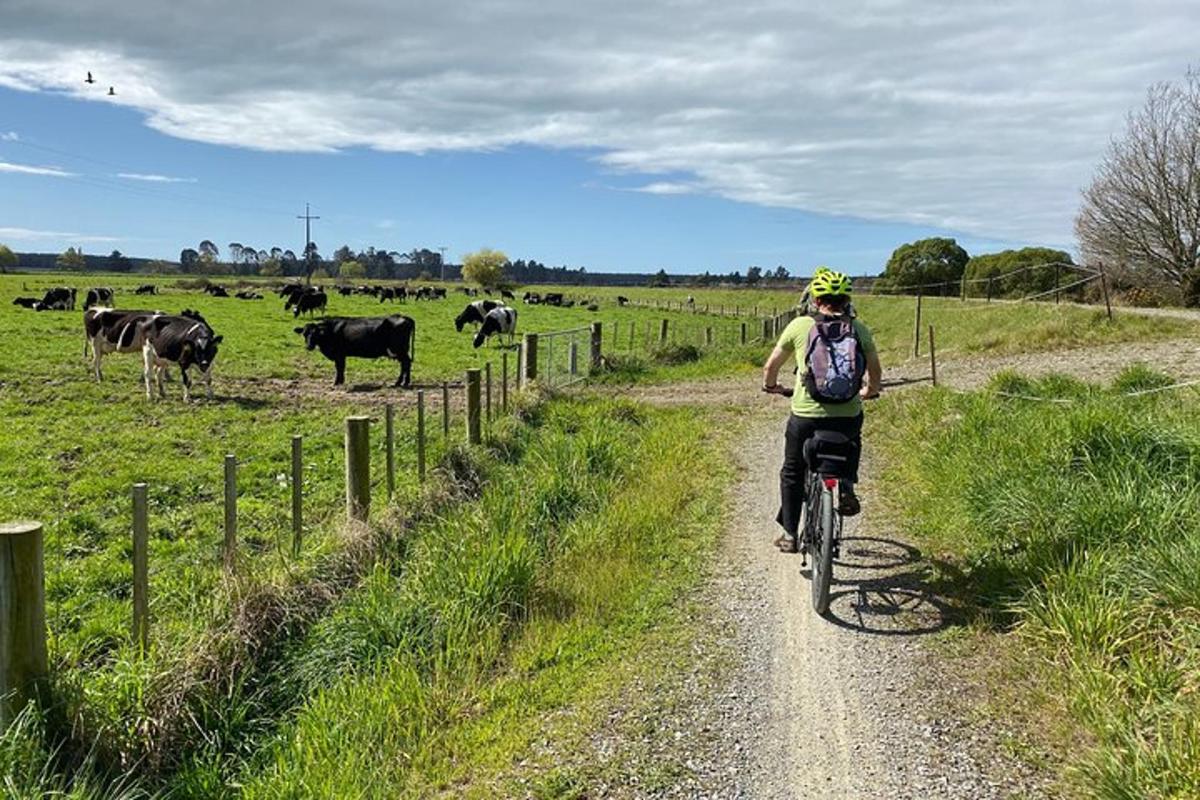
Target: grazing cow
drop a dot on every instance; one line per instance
(438, 293)
(217, 291)
(246, 294)
(505, 294)
(98, 296)
(339, 338)
(593, 307)
(532, 298)
(622, 300)
(386, 293)
(552, 299)
(474, 312)
(311, 302)
(186, 340)
(60, 298)
(289, 290)
(500, 319)
(107, 330)
(146, 288)
(691, 301)
(27, 302)
(345, 291)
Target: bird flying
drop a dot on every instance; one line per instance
(89, 79)
(112, 92)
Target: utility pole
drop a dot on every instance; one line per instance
(443, 263)
(308, 218)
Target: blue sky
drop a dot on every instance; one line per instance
(616, 136)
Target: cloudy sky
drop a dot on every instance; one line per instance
(617, 135)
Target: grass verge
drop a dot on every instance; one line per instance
(1073, 532)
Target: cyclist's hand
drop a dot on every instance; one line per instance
(868, 392)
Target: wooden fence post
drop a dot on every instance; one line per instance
(474, 434)
(1057, 281)
(616, 338)
(573, 358)
(421, 435)
(597, 342)
(487, 390)
(24, 668)
(932, 357)
(141, 577)
(766, 330)
(297, 494)
(989, 289)
(529, 353)
(917, 329)
(662, 332)
(743, 332)
(389, 435)
(230, 511)
(446, 409)
(708, 336)
(1104, 288)
(358, 468)
(632, 331)
(504, 382)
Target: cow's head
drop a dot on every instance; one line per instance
(313, 333)
(204, 349)
(490, 325)
(469, 314)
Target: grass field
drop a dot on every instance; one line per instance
(1078, 527)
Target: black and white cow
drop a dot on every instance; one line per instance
(98, 296)
(311, 302)
(532, 298)
(146, 288)
(107, 330)
(339, 338)
(505, 294)
(552, 299)
(27, 302)
(500, 319)
(622, 300)
(474, 312)
(184, 340)
(60, 298)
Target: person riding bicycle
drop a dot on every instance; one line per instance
(830, 293)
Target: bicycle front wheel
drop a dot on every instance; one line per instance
(822, 555)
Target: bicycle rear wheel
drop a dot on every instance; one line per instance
(822, 552)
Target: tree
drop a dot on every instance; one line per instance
(781, 274)
(1017, 273)
(1141, 214)
(270, 267)
(924, 262)
(118, 263)
(8, 259)
(660, 278)
(71, 260)
(753, 275)
(343, 253)
(235, 252)
(207, 248)
(312, 260)
(188, 258)
(484, 267)
(352, 270)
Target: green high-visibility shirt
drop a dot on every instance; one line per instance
(794, 339)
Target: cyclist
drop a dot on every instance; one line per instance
(805, 306)
(830, 293)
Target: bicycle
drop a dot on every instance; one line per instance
(826, 454)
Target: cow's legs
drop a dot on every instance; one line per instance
(187, 384)
(405, 378)
(340, 375)
(208, 381)
(148, 370)
(160, 373)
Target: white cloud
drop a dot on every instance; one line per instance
(28, 169)
(665, 187)
(30, 235)
(9, 136)
(152, 178)
(985, 118)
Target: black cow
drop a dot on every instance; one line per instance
(289, 290)
(345, 291)
(217, 291)
(146, 288)
(500, 319)
(552, 299)
(27, 302)
(186, 340)
(311, 302)
(622, 300)
(339, 338)
(60, 298)
(505, 294)
(439, 293)
(386, 293)
(474, 312)
(246, 294)
(106, 330)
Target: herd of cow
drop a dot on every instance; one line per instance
(187, 340)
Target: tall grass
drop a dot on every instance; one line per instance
(1077, 528)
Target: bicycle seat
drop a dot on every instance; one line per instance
(827, 452)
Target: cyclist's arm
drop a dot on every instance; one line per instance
(778, 358)
(874, 375)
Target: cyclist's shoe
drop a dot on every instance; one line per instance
(849, 505)
(786, 544)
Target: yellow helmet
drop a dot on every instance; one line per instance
(826, 282)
